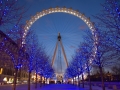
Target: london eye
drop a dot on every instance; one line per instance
(60, 36)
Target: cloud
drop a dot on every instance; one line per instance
(45, 37)
(78, 50)
(82, 27)
(72, 46)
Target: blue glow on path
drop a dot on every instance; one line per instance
(51, 87)
(60, 87)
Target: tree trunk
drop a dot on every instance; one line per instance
(78, 82)
(73, 81)
(82, 80)
(15, 78)
(46, 80)
(36, 81)
(40, 81)
(88, 70)
(102, 77)
(90, 87)
(29, 80)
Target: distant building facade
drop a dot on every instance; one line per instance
(11, 56)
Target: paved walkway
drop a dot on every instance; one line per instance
(69, 87)
(51, 87)
(60, 87)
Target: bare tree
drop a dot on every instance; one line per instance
(31, 48)
(105, 54)
(109, 21)
(116, 70)
(10, 13)
(86, 49)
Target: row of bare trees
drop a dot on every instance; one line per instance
(108, 45)
(35, 59)
(38, 60)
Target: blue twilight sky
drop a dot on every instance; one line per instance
(70, 27)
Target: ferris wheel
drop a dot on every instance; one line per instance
(60, 32)
(60, 37)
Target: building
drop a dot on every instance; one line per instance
(11, 57)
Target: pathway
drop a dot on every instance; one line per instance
(60, 87)
(50, 87)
